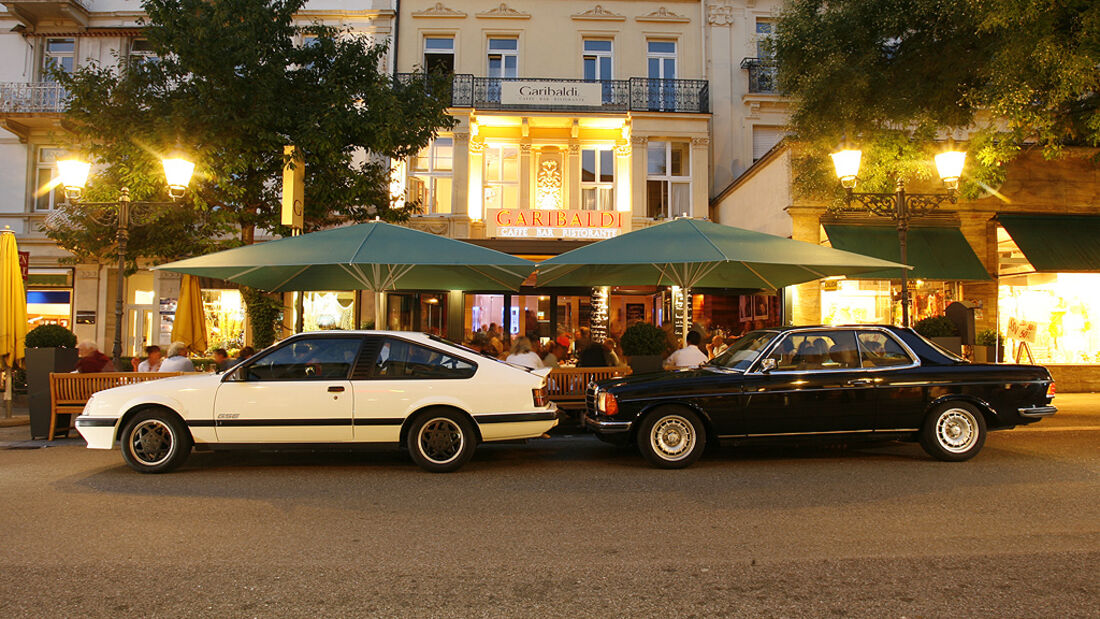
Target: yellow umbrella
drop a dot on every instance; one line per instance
(13, 312)
(190, 324)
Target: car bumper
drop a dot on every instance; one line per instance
(511, 426)
(1037, 412)
(98, 431)
(605, 426)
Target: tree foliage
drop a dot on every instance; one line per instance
(897, 76)
(232, 83)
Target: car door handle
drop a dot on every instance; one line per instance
(336, 389)
(860, 381)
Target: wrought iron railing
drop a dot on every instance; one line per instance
(29, 98)
(637, 94)
(762, 75)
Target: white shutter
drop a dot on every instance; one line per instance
(763, 139)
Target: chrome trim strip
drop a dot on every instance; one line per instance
(607, 426)
(914, 360)
(1037, 411)
(819, 433)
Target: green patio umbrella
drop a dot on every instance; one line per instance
(692, 253)
(374, 256)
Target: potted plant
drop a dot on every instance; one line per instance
(644, 346)
(50, 348)
(987, 347)
(942, 331)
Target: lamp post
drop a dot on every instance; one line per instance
(74, 176)
(899, 206)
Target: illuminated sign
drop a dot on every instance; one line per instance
(556, 224)
(519, 92)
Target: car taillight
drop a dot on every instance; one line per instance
(608, 405)
(1050, 390)
(541, 396)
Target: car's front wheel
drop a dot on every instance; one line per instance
(155, 441)
(672, 438)
(441, 441)
(954, 432)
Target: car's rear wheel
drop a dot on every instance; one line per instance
(672, 438)
(955, 431)
(441, 441)
(155, 441)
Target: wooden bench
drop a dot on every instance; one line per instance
(69, 392)
(566, 386)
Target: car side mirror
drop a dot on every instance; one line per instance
(767, 365)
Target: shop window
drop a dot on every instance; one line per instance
(59, 54)
(328, 311)
(141, 51)
(503, 57)
(439, 54)
(668, 180)
(597, 179)
(225, 315)
(430, 178)
(597, 60)
(49, 307)
(501, 176)
(1050, 317)
(48, 192)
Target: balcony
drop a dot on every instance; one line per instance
(637, 94)
(51, 12)
(762, 75)
(26, 107)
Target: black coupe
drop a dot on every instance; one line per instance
(844, 383)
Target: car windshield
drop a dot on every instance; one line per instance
(745, 350)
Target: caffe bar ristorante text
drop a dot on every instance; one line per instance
(556, 224)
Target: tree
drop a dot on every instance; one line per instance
(232, 83)
(899, 75)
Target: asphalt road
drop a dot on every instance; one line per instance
(563, 527)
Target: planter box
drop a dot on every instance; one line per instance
(988, 354)
(40, 363)
(645, 364)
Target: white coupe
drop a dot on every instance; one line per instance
(328, 388)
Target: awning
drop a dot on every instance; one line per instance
(934, 253)
(1056, 243)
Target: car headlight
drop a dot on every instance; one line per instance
(607, 404)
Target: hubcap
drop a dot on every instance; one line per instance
(957, 430)
(440, 440)
(673, 437)
(151, 442)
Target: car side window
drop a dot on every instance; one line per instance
(816, 350)
(880, 350)
(308, 359)
(401, 359)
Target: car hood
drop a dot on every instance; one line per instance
(161, 386)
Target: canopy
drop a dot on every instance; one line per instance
(13, 312)
(1056, 243)
(693, 253)
(934, 253)
(190, 323)
(372, 256)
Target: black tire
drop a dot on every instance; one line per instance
(672, 438)
(156, 441)
(953, 432)
(441, 441)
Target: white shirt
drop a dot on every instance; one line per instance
(145, 367)
(179, 363)
(687, 357)
(528, 359)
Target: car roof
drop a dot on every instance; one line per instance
(786, 328)
(411, 335)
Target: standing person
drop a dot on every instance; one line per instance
(153, 359)
(523, 355)
(91, 360)
(689, 356)
(177, 360)
(221, 360)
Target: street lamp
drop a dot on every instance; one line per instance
(73, 175)
(899, 206)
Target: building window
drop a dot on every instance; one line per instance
(439, 54)
(661, 59)
(48, 193)
(597, 60)
(597, 179)
(764, 30)
(141, 51)
(763, 139)
(430, 177)
(503, 57)
(501, 176)
(668, 180)
(59, 53)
